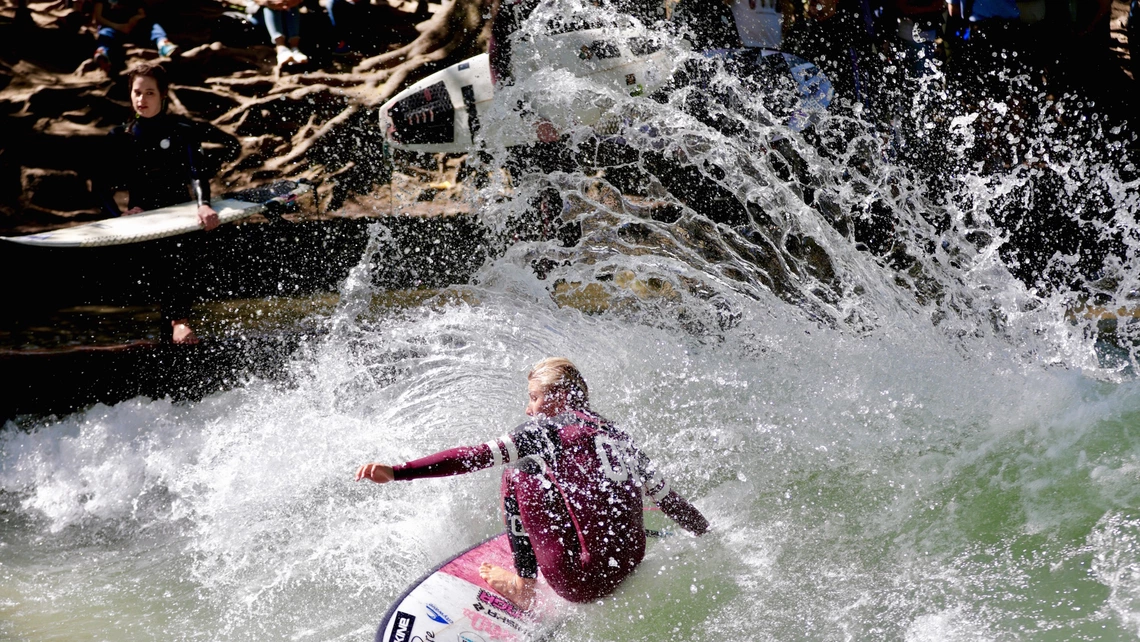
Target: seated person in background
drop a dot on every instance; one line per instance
(118, 21)
(78, 15)
(157, 157)
(572, 496)
(984, 36)
(349, 20)
(283, 22)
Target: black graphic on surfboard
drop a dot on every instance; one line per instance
(424, 118)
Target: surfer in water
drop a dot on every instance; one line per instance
(572, 495)
(157, 158)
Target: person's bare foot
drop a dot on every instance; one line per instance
(519, 590)
(182, 333)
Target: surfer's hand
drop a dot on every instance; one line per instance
(133, 210)
(208, 217)
(379, 473)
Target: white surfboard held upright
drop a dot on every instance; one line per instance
(446, 111)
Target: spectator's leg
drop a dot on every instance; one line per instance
(293, 36)
(334, 7)
(157, 33)
(292, 29)
(254, 16)
(161, 42)
(107, 48)
(275, 25)
(174, 298)
(347, 19)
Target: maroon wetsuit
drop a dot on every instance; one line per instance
(578, 484)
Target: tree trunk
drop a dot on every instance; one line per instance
(457, 31)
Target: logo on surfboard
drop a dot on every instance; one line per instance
(402, 629)
(437, 615)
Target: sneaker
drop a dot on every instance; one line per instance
(298, 57)
(284, 56)
(166, 48)
(102, 59)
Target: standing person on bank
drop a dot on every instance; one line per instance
(157, 158)
(572, 496)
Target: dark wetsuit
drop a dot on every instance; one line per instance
(573, 499)
(159, 161)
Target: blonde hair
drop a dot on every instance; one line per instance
(559, 375)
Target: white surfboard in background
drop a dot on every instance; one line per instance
(446, 111)
(165, 222)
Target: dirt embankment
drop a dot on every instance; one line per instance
(315, 122)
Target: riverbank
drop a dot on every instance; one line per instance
(58, 109)
(259, 123)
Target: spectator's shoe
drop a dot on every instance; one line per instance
(284, 56)
(298, 57)
(102, 59)
(342, 49)
(166, 48)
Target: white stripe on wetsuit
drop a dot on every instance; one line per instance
(499, 447)
(512, 450)
(496, 453)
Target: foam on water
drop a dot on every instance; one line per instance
(855, 491)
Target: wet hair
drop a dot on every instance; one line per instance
(150, 70)
(559, 375)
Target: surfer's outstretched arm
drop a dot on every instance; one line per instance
(676, 507)
(455, 461)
